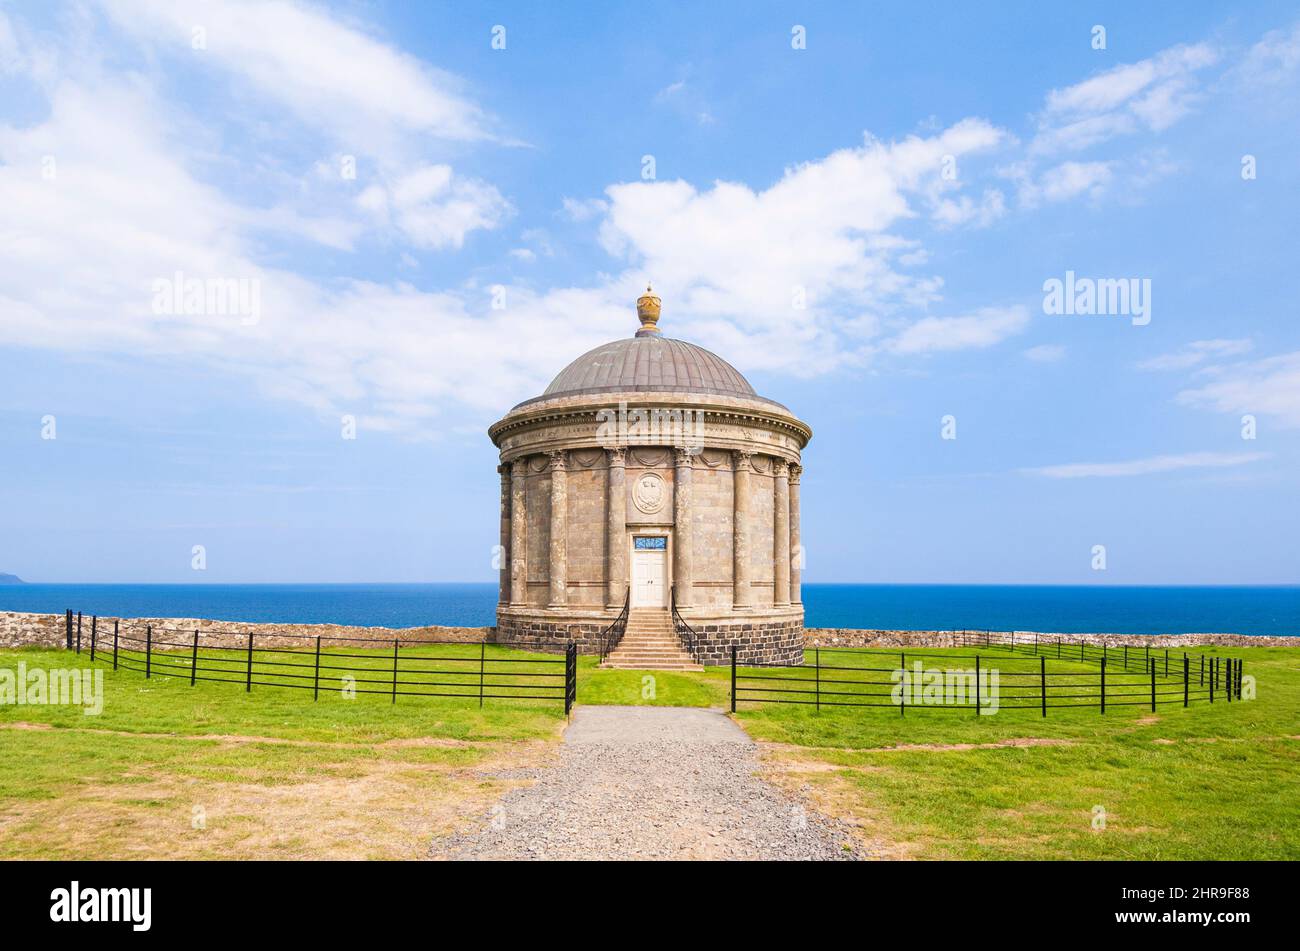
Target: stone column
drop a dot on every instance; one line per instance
(683, 576)
(503, 547)
(559, 566)
(742, 593)
(780, 533)
(518, 532)
(615, 530)
(796, 546)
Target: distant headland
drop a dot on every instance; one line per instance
(10, 579)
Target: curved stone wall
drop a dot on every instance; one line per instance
(717, 476)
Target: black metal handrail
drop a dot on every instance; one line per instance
(610, 637)
(685, 633)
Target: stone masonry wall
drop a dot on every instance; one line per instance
(48, 630)
(770, 640)
(852, 637)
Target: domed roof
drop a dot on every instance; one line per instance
(649, 364)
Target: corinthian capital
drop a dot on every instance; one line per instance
(617, 457)
(743, 459)
(795, 472)
(558, 460)
(780, 467)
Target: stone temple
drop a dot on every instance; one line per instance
(650, 475)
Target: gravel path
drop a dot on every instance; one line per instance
(651, 783)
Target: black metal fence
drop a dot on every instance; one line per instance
(328, 664)
(876, 677)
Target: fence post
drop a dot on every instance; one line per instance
(1058, 648)
(148, 649)
(902, 665)
(1035, 642)
(248, 676)
(733, 678)
(1166, 661)
(1081, 650)
(194, 657)
(78, 632)
(1042, 681)
(1211, 680)
(480, 676)
(1202, 670)
(1241, 663)
(569, 679)
(93, 630)
(67, 633)
(817, 661)
(1186, 678)
(1126, 657)
(1151, 664)
(1103, 685)
(482, 650)
(977, 685)
(1227, 680)
(115, 645)
(315, 680)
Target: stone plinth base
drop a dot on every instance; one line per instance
(760, 637)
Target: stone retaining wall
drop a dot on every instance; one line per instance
(852, 637)
(777, 642)
(48, 630)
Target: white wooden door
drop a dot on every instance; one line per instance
(649, 579)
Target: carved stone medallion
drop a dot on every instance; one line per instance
(649, 493)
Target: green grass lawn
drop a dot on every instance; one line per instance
(274, 773)
(1205, 782)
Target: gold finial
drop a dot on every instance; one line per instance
(647, 308)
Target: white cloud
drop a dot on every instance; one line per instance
(1153, 93)
(984, 328)
(769, 275)
(1148, 466)
(687, 101)
(1196, 353)
(433, 207)
(80, 252)
(369, 95)
(1073, 178)
(1274, 59)
(10, 57)
(1045, 353)
(1268, 387)
(584, 210)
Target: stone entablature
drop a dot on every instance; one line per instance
(575, 422)
(709, 479)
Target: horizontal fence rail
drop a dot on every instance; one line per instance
(327, 664)
(987, 681)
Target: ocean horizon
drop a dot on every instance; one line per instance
(1066, 609)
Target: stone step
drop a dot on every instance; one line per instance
(650, 652)
(619, 665)
(640, 654)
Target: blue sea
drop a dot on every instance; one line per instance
(1046, 608)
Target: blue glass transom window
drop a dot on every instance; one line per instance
(650, 543)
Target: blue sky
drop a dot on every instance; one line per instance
(914, 175)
